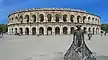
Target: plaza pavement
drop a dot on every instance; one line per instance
(47, 47)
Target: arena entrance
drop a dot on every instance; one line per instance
(27, 31)
(49, 31)
(89, 30)
(65, 30)
(57, 31)
(84, 29)
(41, 30)
(21, 31)
(15, 31)
(93, 31)
(33, 31)
(72, 30)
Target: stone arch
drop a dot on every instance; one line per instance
(93, 30)
(85, 29)
(12, 30)
(33, 31)
(72, 30)
(27, 31)
(15, 30)
(16, 18)
(78, 19)
(49, 31)
(21, 30)
(41, 16)
(57, 17)
(65, 18)
(89, 29)
(49, 16)
(89, 19)
(34, 18)
(27, 18)
(84, 17)
(65, 30)
(57, 30)
(72, 18)
(41, 30)
(96, 21)
(92, 19)
(21, 19)
(96, 30)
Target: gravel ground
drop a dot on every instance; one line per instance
(46, 47)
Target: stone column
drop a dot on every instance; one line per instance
(75, 19)
(45, 30)
(69, 30)
(24, 30)
(45, 18)
(37, 30)
(61, 18)
(68, 18)
(53, 18)
(53, 30)
(61, 30)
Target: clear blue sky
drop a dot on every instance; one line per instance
(98, 7)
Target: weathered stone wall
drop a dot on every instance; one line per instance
(67, 18)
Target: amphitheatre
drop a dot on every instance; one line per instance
(55, 27)
(51, 21)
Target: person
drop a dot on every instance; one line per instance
(89, 35)
(78, 37)
(105, 33)
(101, 33)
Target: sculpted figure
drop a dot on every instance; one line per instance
(78, 36)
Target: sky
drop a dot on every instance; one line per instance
(98, 7)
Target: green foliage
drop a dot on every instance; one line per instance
(3, 28)
(104, 27)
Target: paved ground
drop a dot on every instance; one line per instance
(46, 47)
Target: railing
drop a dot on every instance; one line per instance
(84, 54)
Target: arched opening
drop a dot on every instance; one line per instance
(84, 19)
(71, 18)
(49, 17)
(84, 29)
(93, 20)
(96, 30)
(89, 19)
(65, 18)
(27, 18)
(33, 31)
(27, 31)
(57, 16)
(57, 30)
(49, 31)
(65, 30)
(15, 31)
(72, 30)
(12, 30)
(89, 29)
(16, 18)
(41, 17)
(41, 30)
(93, 30)
(78, 19)
(34, 18)
(21, 31)
(21, 19)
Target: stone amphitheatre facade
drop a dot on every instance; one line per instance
(52, 21)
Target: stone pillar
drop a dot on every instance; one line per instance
(30, 30)
(69, 30)
(68, 18)
(53, 30)
(45, 18)
(24, 30)
(61, 18)
(53, 18)
(37, 17)
(37, 30)
(75, 19)
(45, 30)
(61, 30)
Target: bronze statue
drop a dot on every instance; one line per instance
(78, 36)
